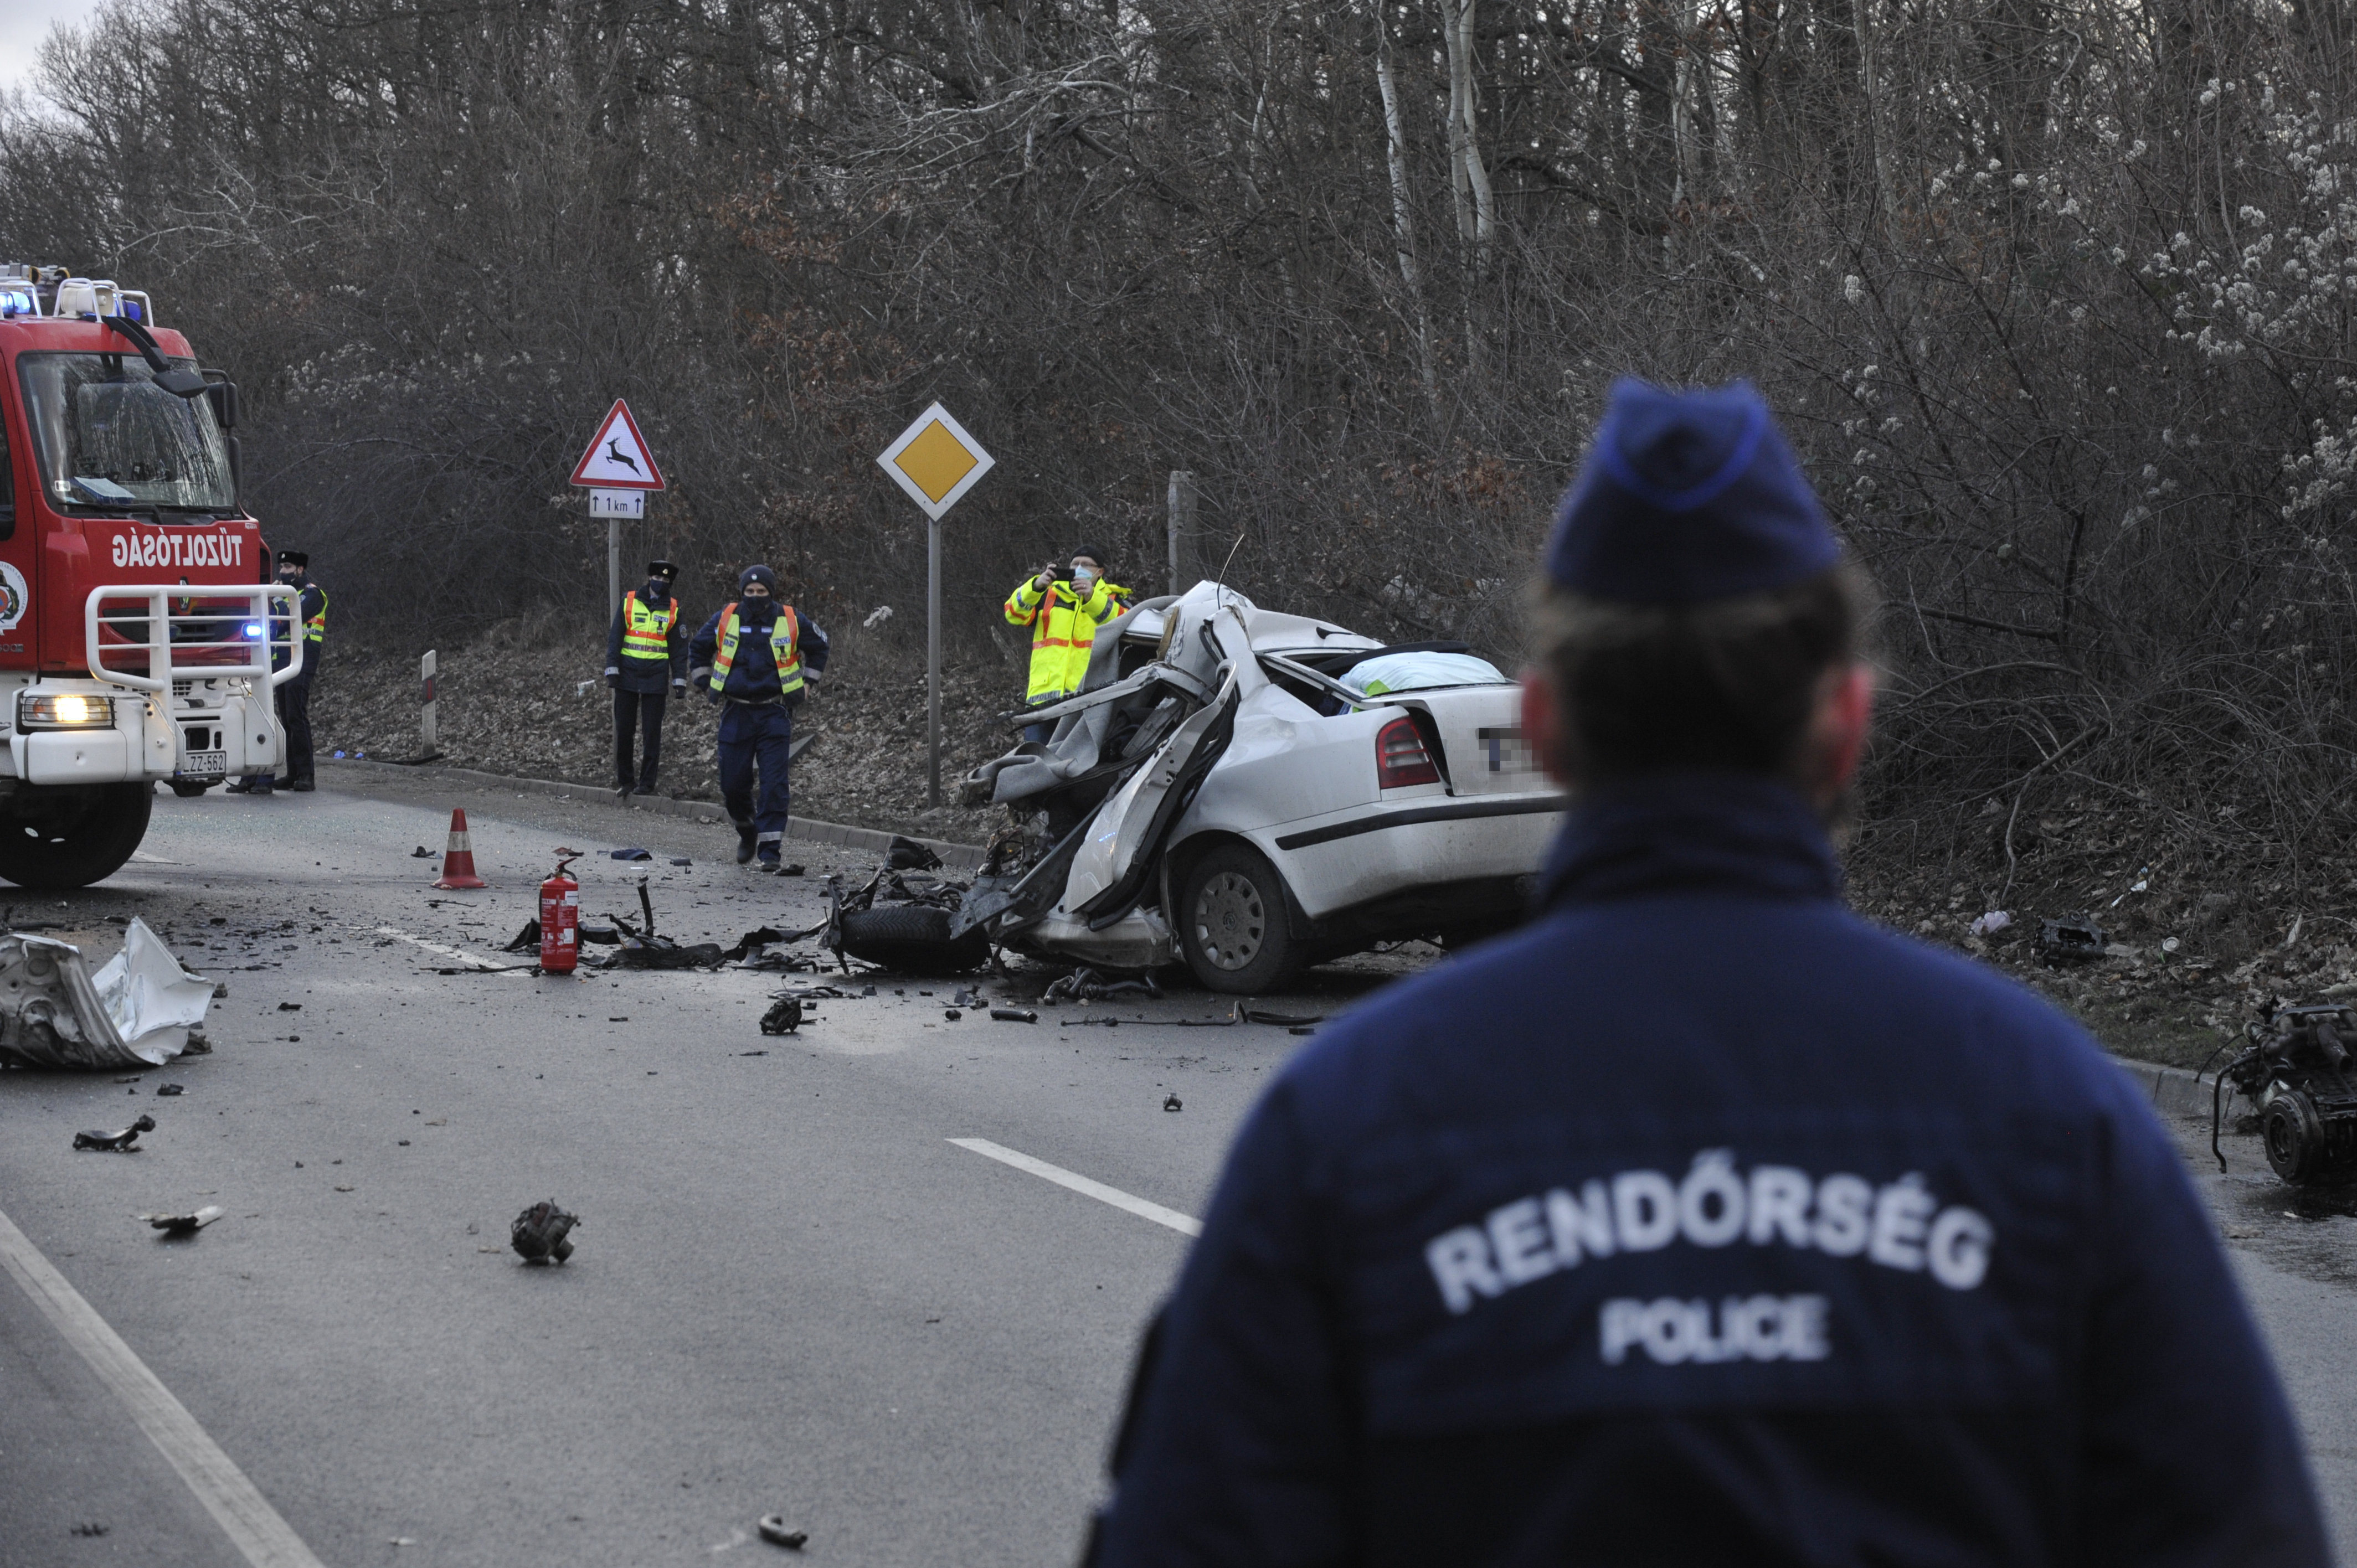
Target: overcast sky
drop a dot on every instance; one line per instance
(28, 23)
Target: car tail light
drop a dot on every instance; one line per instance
(1401, 758)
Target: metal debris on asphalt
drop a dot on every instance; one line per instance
(1173, 1103)
(951, 1014)
(1085, 984)
(777, 1532)
(421, 852)
(171, 1089)
(784, 1016)
(633, 852)
(538, 1233)
(1015, 1014)
(124, 1141)
(135, 1010)
(290, 1006)
(184, 1224)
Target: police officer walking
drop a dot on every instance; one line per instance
(294, 698)
(1702, 1221)
(646, 656)
(757, 657)
(1063, 605)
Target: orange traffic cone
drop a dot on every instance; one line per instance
(459, 860)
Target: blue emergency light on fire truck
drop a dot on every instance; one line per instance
(138, 624)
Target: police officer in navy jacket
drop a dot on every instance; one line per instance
(1702, 1221)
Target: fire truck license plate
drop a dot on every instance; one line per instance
(204, 765)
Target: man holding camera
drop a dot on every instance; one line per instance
(1063, 605)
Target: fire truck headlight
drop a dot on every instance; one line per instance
(64, 710)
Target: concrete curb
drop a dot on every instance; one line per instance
(966, 856)
(2173, 1090)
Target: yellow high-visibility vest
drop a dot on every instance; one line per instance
(1063, 631)
(785, 647)
(646, 631)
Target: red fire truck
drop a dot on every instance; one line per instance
(138, 619)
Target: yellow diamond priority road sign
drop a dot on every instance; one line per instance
(935, 461)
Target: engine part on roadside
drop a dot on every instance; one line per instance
(539, 1233)
(903, 921)
(777, 1532)
(1173, 1103)
(2299, 1070)
(136, 1012)
(458, 859)
(168, 1090)
(560, 917)
(1015, 1014)
(784, 1016)
(908, 855)
(634, 851)
(184, 1224)
(123, 1141)
(2069, 941)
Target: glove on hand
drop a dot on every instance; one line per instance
(613, 683)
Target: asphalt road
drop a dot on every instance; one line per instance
(793, 1294)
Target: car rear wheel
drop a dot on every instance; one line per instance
(1232, 926)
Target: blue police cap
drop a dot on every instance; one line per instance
(1687, 497)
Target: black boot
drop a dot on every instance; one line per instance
(743, 843)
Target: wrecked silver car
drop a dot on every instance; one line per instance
(1253, 791)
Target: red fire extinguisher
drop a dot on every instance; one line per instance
(560, 917)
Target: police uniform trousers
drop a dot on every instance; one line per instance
(640, 712)
(294, 700)
(756, 734)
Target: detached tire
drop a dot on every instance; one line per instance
(912, 938)
(71, 838)
(1233, 927)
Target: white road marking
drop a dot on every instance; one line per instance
(472, 961)
(142, 856)
(252, 1525)
(1185, 1224)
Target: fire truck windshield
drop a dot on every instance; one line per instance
(101, 416)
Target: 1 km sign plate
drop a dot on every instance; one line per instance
(618, 458)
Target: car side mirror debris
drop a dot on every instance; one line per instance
(124, 1141)
(538, 1234)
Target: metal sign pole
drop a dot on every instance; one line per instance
(933, 656)
(613, 565)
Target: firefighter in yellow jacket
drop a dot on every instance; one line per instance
(1063, 605)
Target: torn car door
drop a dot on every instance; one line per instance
(1117, 865)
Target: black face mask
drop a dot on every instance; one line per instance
(657, 593)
